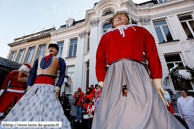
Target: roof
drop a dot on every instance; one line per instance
(74, 23)
(95, 3)
(9, 64)
(147, 2)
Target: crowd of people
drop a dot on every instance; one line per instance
(87, 102)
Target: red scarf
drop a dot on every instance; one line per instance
(23, 75)
(47, 57)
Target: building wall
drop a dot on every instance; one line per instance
(143, 15)
(170, 11)
(27, 45)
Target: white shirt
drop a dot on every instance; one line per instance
(186, 106)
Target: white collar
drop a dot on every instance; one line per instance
(188, 98)
(121, 28)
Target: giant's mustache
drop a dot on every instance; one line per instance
(50, 50)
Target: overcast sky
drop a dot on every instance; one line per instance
(25, 16)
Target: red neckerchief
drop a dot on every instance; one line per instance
(23, 75)
(47, 57)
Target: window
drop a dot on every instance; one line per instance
(12, 55)
(160, 1)
(20, 56)
(87, 74)
(106, 27)
(70, 22)
(73, 48)
(88, 43)
(172, 60)
(70, 79)
(40, 51)
(187, 22)
(133, 22)
(162, 31)
(108, 13)
(60, 49)
(29, 55)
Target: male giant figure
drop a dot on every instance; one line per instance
(41, 103)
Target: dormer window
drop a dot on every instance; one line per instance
(69, 22)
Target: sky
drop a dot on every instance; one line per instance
(25, 16)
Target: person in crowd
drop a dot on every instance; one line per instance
(144, 107)
(13, 87)
(64, 102)
(79, 104)
(89, 95)
(40, 102)
(96, 86)
(185, 105)
(97, 98)
(90, 111)
(93, 90)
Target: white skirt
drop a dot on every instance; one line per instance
(142, 108)
(39, 104)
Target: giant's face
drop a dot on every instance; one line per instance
(120, 19)
(53, 51)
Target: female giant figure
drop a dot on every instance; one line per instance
(122, 48)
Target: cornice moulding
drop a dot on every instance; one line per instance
(165, 14)
(46, 35)
(169, 3)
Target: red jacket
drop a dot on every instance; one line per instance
(15, 85)
(93, 90)
(114, 46)
(89, 96)
(80, 96)
(90, 110)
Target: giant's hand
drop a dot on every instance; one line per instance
(1, 92)
(57, 90)
(158, 84)
(101, 83)
(28, 88)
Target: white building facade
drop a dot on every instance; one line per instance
(170, 22)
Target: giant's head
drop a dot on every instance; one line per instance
(120, 18)
(53, 49)
(25, 68)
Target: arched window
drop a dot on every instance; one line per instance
(106, 27)
(107, 13)
(133, 22)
